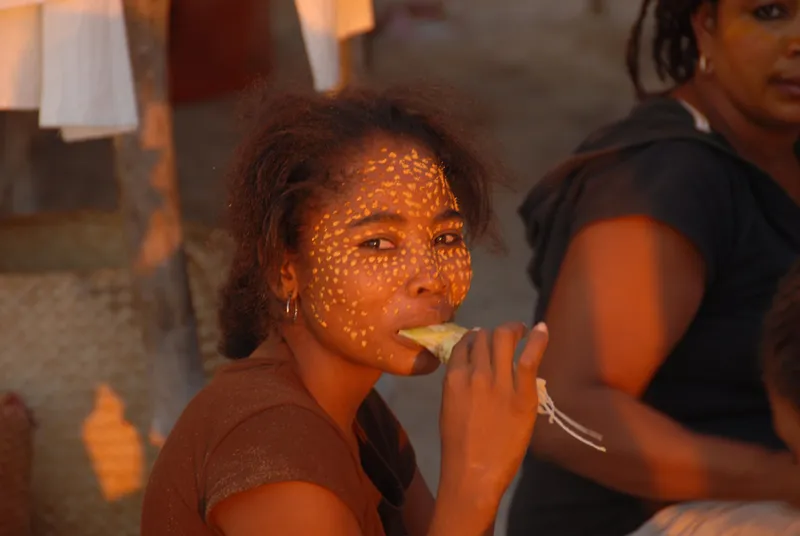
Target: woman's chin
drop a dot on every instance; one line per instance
(425, 363)
(410, 364)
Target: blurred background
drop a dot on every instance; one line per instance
(541, 74)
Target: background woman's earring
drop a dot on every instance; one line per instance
(703, 64)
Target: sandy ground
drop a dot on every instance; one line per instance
(540, 74)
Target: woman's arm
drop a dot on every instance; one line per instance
(301, 508)
(627, 291)
(288, 509)
(420, 506)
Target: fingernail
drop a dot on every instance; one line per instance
(541, 326)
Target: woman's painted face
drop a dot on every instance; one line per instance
(754, 48)
(385, 253)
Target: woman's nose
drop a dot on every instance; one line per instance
(427, 278)
(793, 41)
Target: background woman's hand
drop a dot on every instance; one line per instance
(489, 408)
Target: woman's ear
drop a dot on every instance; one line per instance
(282, 284)
(286, 284)
(704, 22)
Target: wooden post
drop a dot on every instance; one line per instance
(146, 171)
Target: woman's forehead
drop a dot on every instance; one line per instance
(398, 179)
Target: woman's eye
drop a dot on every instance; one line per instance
(377, 243)
(448, 239)
(771, 12)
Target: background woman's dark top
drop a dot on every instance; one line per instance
(659, 163)
(256, 424)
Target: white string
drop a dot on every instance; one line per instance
(547, 407)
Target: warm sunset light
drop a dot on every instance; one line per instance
(114, 446)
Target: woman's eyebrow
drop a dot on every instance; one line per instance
(378, 217)
(393, 217)
(448, 214)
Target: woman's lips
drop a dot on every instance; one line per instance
(405, 341)
(439, 313)
(789, 86)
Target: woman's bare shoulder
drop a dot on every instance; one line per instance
(288, 508)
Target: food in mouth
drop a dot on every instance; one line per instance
(440, 339)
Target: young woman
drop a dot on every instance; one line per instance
(659, 245)
(351, 215)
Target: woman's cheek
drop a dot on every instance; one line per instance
(329, 293)
(457, 268)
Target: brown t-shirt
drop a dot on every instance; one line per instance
(256, 424)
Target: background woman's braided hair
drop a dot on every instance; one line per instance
(781, 342)
(292, 155)
(674, 48)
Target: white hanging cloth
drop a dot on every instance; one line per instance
(324, 23)
(68, 59)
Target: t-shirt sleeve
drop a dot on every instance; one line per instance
(282, 444)
(681, 184)
(387, 434)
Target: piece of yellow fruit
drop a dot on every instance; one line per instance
(438, 340)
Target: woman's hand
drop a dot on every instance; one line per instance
(489, 408)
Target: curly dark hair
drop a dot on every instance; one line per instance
(674, 47)
(781, 340)
(287, 158)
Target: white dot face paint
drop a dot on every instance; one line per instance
(386, 253)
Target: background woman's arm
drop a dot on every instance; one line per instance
(627, 291)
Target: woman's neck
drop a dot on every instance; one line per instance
(763, 144)
(337, 384)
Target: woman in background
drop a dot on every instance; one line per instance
(658, 247)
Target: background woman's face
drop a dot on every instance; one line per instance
(755, 51)
(385, 253)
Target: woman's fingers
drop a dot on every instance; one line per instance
(528, 366)
(481, 357)
(459, 358)
(504, 345)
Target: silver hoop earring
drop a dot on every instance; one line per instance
(703, 64)
(291, 308)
